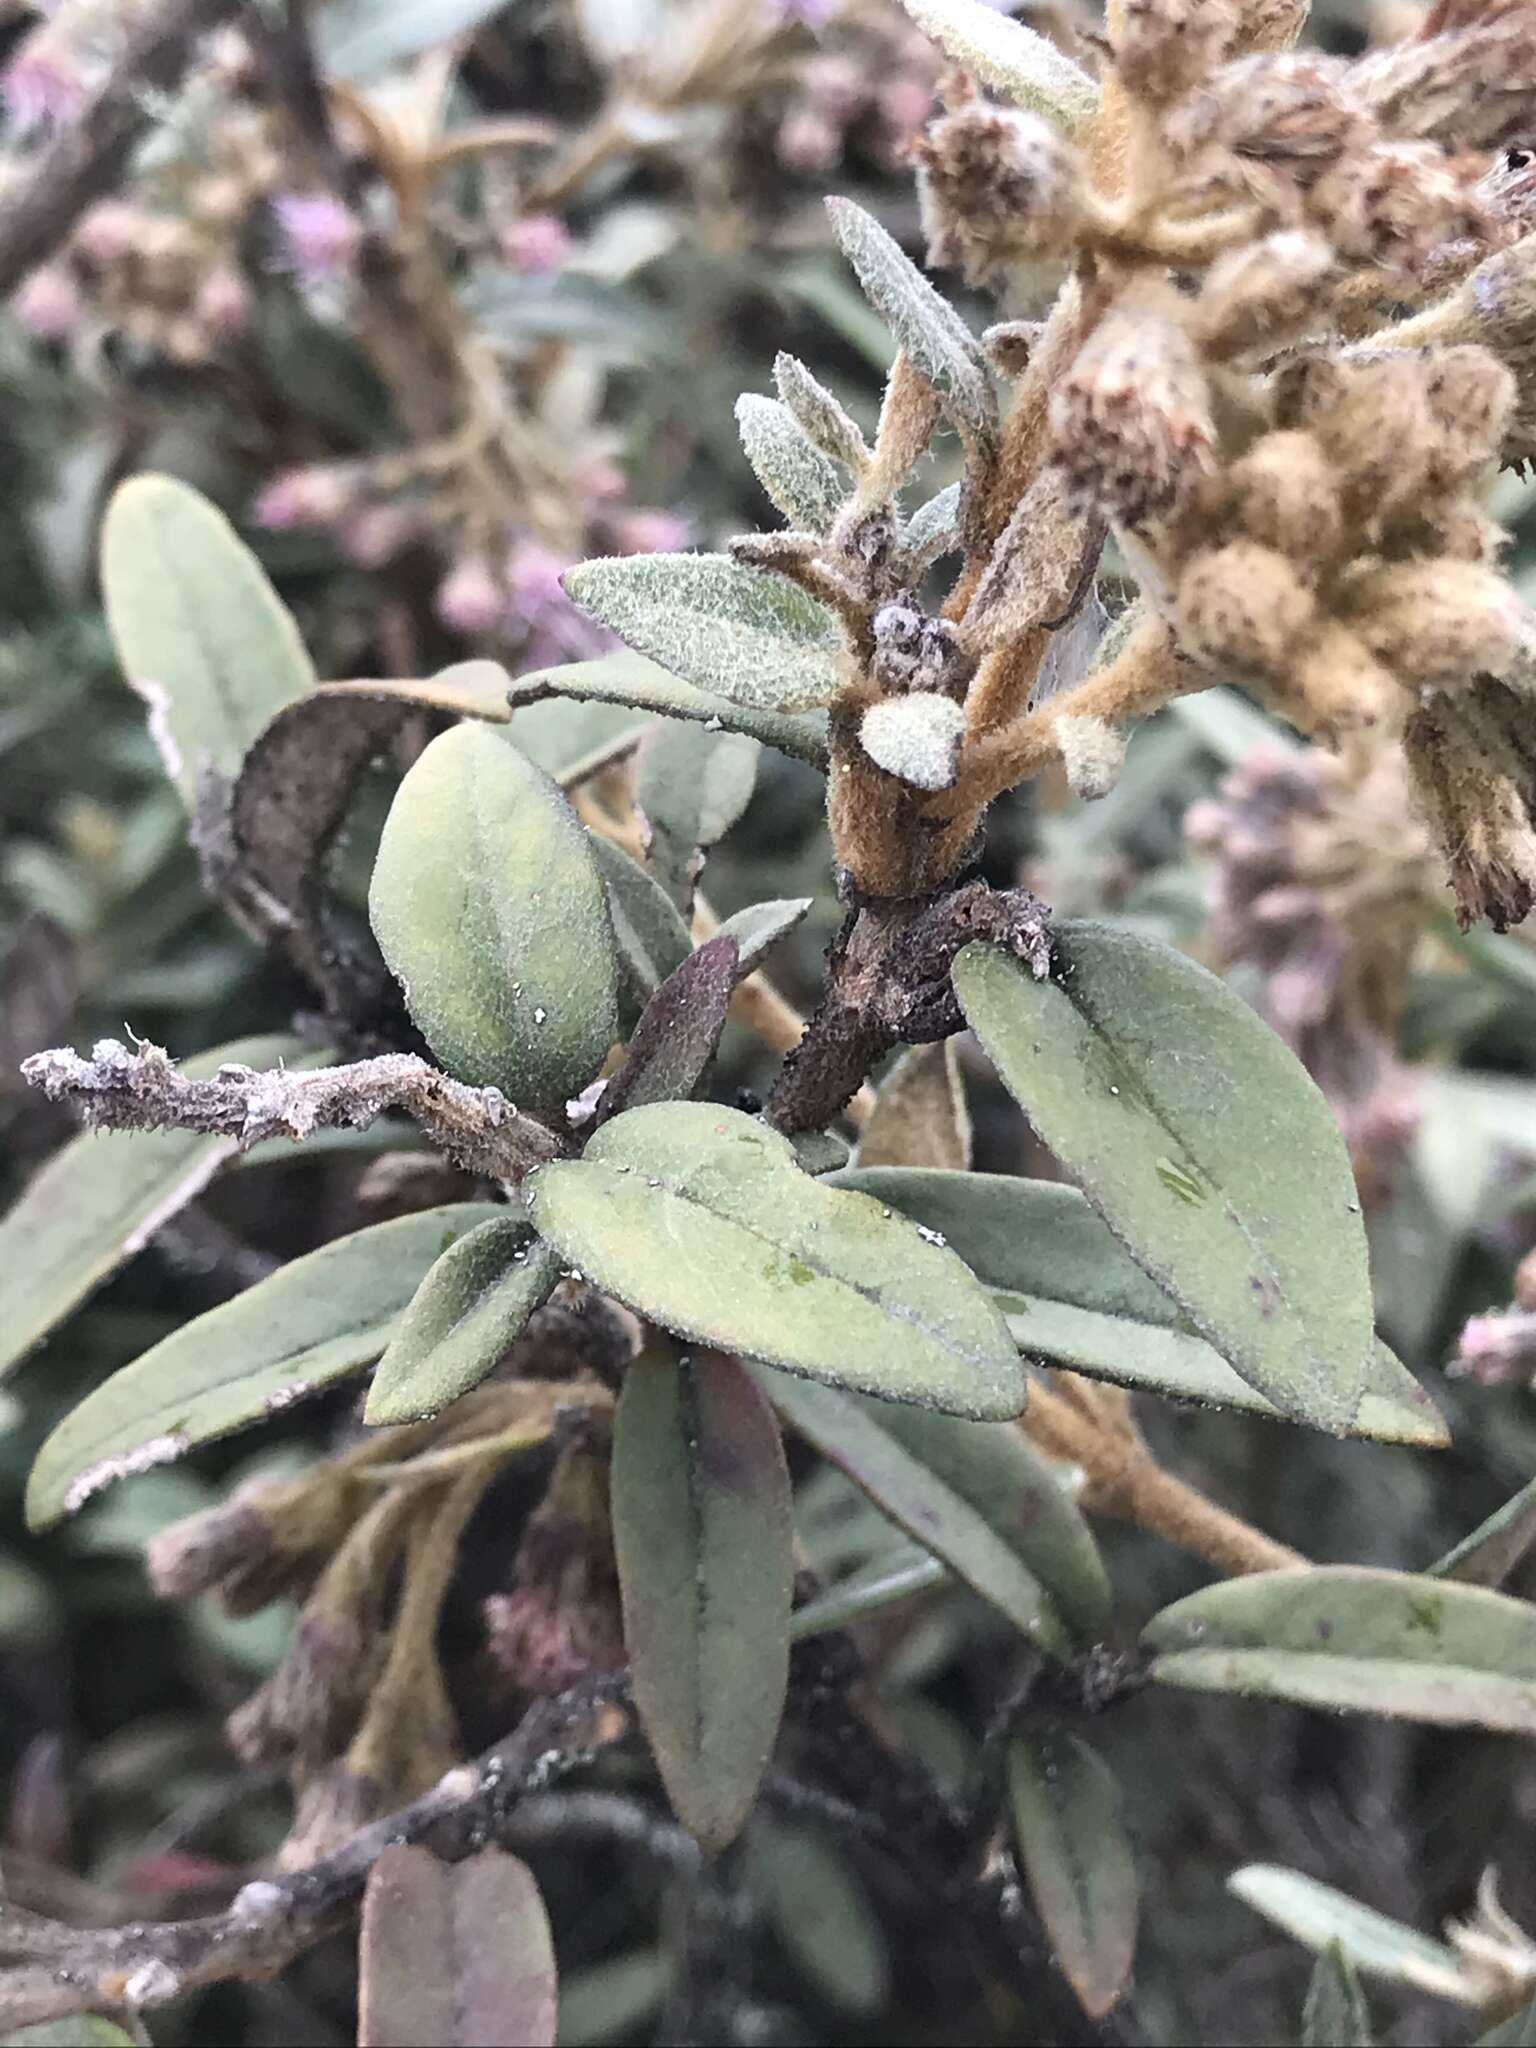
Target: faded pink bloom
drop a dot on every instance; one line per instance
(48, 304)
(320, 235)
(469, 599)
(318, 496)
(649, 531)
(536, 245)
(538, 612)
(808, 141)
(377, 534)
(1497, 1348)
(109, 231)
(809, 13)
(905, 102)
(44, 83)
(222, 304)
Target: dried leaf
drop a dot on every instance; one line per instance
(920, 1117)
(456, 1954)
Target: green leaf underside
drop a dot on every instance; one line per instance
(489, 908)
(690, 786)
(629, 679)
(1319, 1918)
(1202, 1142)
(936, 515)
(1495, 1546)
(650, 937)
(1072, 1843)
(700, 1218)
(313, 1321)
(749, 635)
(201, 634)
(822, 1914)
(570, 738)
(1016, 61)
(702, 1530)
(991, 1551)
(456, 1954)
(467, 1312)
(1380, 1642)
(1072, 1296)
(1519, 2031)
(1335, 2014)
(101, 1198)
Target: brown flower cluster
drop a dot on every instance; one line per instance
(1295, 484)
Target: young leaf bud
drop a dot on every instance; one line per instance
(1092, 753)
(1271, 122)
(1285, 493)
(1437, 624)
(916, 739)
(1379, 432)
(1399, 203)
(1471, 395)
(1131, 419)
(1242, 609)
(994, 185)
(822, 419)
(1166, 46)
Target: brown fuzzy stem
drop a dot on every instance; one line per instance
(1090, 1426)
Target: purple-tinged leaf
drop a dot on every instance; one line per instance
(678, 1031)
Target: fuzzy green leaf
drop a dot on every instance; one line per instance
(649, 936)
(800, 480)
(759, 928)
(1321, 1918)
(927, 328)
(1335, 2014)
(1077, 1859)
(690, 787)
(1072, 1296)
(489, 908)
(630, 679)
(1204, 1144)
(101, 1198)
(748, 635)
(458, 1954)
(201, 634)
(702, 1529)
(819, 416)
(1347, 1636)
(570, 738)
(467, 1312)
(312, 1321)
(973, 1493)
(915, 738)
(1016, 61)
(940, 514)
(701, 1218)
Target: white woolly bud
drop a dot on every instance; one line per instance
(1092, 753)
(916, 739)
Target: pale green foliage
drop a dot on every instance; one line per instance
(1016, 61)
(916, 738)
(690, 787)
(926, 326)
(936, 515)
(746, 634)
(820, 417)
(629, 680)
(1321, 1918)
(801, 481)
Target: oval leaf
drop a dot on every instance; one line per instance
(201, 634)
(675, 1040)
(749, 635)
(1203, 1143)
(1321, 1918)
(458, 1954)
(700, 1218)
(1346, 1636)
(690, 787)
(1073, 1297)
(649, 935)
(571, 739)
(101, 1198)
(310, 1322)
(1335, 2014)
(488, 905)
(1077, 1858)
(630, 679)
(806, 487)
(973, 1493)
(884, 1583)
(463, 1318)
(703, 1534)
(822, 1914)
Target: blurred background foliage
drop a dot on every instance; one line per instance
(673, 264)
